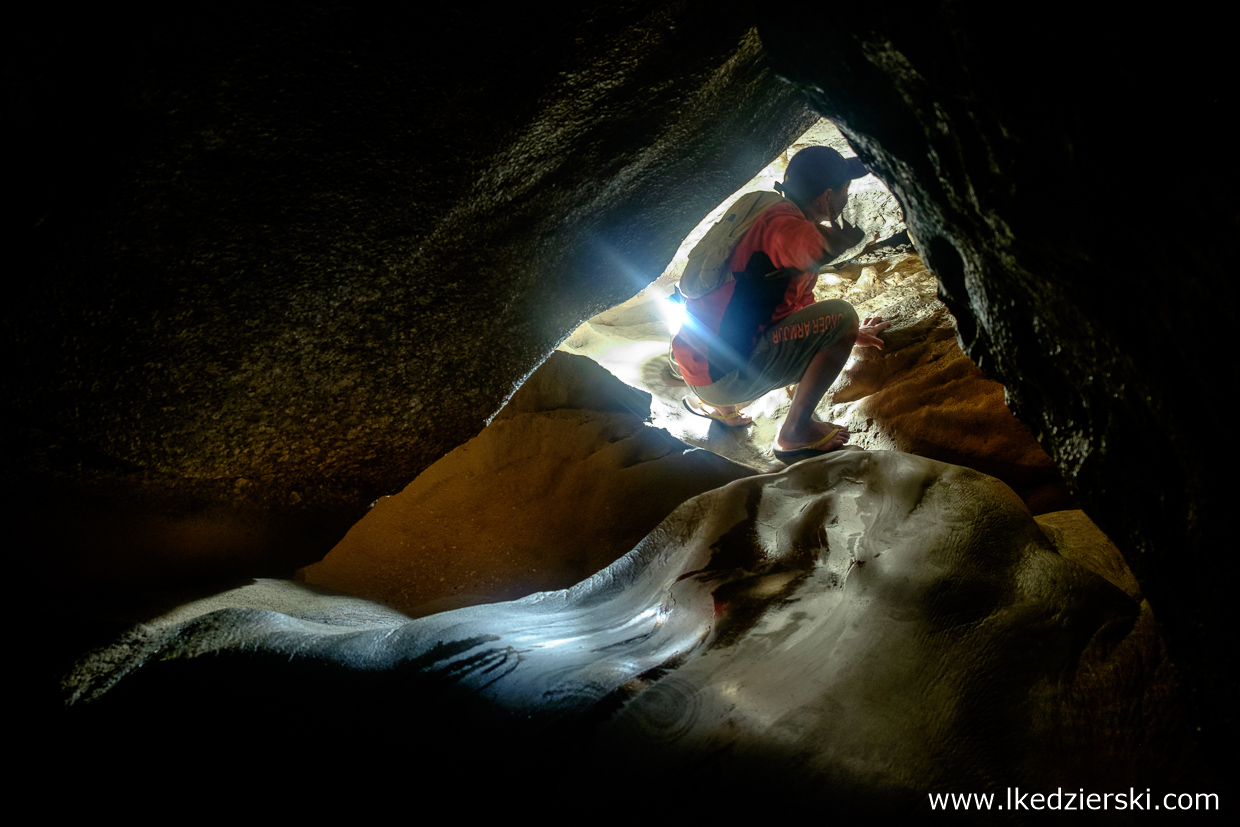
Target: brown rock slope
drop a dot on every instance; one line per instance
(848, 635)
(566, 479)
(1122, 697)
(921, 394)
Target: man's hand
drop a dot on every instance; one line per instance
(840, 238)
(867, 334)
(850, 234)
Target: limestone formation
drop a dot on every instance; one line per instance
(269, 264)
(921, 394)
(918, 394)
(855, 632)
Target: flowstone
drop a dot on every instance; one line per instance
(860, 629)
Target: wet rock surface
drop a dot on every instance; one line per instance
(291, 220)
(855, 631)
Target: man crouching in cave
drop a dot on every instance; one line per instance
(760, 328)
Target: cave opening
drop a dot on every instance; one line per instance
(596, 448)
(946, 413)
(631, 340)
(549, 452)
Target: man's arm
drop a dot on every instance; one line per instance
(839, 238)
(792, 243)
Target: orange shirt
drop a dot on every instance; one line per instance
(723, 326)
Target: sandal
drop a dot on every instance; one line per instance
(726, 420)
(806, 451)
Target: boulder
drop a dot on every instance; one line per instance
(566, 479)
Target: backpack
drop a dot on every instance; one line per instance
(707, 268)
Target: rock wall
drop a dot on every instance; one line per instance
(921, 394)
(272, 264)
(1024, 146)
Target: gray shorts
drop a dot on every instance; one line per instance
(782, 355)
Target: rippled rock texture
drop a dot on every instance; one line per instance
(271, 263)
(570, 475)
(855, 631)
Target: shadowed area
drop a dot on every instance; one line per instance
(1023, 146)
(274, 263)
(863, 628)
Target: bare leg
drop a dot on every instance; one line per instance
(800, 429)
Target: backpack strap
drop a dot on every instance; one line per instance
(707, 268)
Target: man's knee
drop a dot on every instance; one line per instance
(852, 319)
(850, 322)
(840, 312)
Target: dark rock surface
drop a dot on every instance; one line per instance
(274, 263)
(1018, 145)
(852, 633)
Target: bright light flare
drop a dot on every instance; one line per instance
(674, 313)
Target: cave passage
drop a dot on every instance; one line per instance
(921, 394)
(231, 292)
(632, 339)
